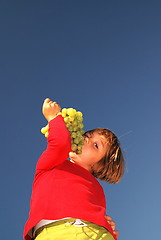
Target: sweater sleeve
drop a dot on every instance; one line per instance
(58, 147)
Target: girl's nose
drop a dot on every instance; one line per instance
(87, 139)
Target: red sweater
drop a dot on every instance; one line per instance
(63, 189)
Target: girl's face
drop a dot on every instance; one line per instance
(94, 149)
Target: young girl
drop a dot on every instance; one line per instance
(67, 201)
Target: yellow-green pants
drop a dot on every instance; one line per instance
(65, 230)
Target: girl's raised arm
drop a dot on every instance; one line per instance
(59, 140)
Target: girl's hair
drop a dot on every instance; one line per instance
(111, 166)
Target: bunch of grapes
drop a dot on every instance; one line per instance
(73, 120)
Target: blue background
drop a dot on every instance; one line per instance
(102, 58)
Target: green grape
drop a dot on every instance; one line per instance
(68, 124)
(81, 139)
(79, 147)
(81, 125)
(79, 114)
(71, 112)
(66, 119)
(74, 147)
(79, 119)
(73, 134)
(78, 134)
(71, 118)
(74, 123)
(64, 111)
(79, 151)
(75, 129)
(45, 129)
(70, 128)
(76, 140)
(82, 131)
(63, 115)
(46, 134)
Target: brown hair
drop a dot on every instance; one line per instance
(111, 166)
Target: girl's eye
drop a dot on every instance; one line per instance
(96, 145)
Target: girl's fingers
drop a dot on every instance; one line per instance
(113, 225)
(108, 218)
(116, 233)
(51, 103)
(47, 100)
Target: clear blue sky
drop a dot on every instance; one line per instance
(102, 58)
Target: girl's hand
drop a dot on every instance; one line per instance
(112, 224)
(50, 109)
